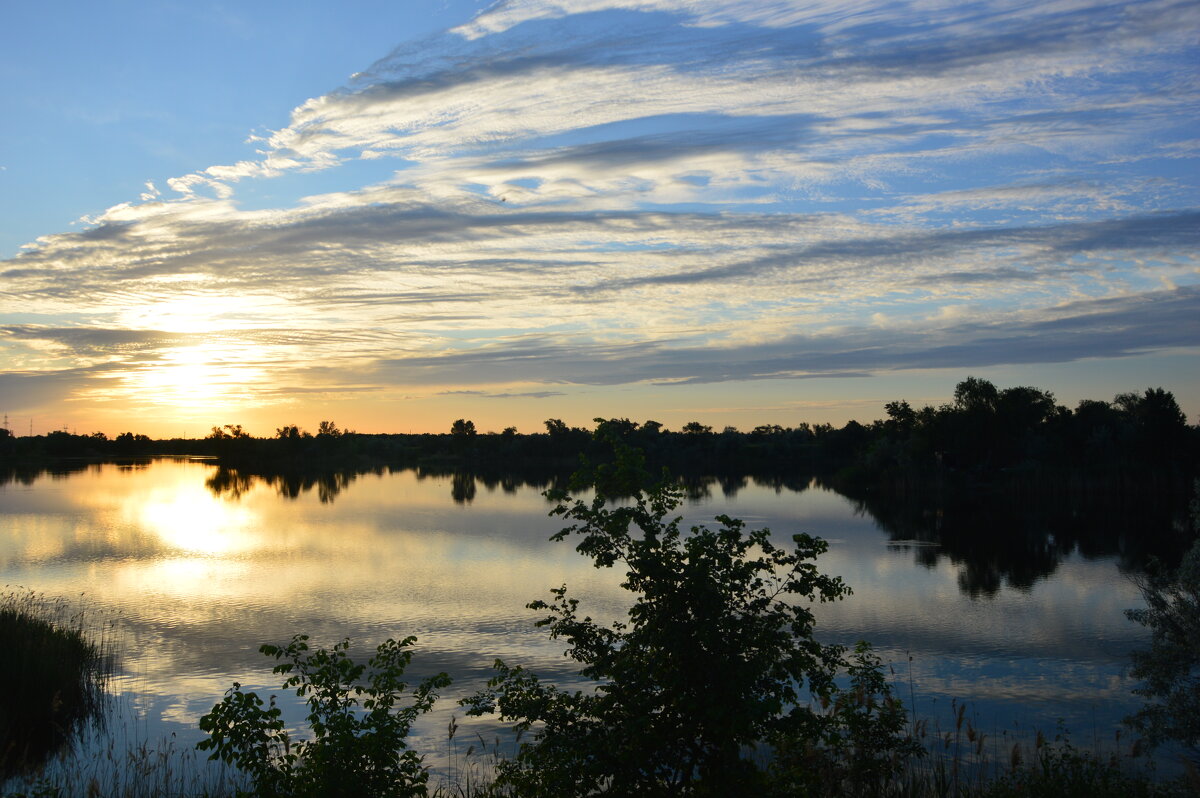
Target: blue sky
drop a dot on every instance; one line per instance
(398, 214)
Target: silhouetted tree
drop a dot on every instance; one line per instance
(327, 429)
(1158, 424)
(614, 428)
(229, 431)
(767, 430)
(901, 416)
(714, 658)
(130, 443)
(976, 395)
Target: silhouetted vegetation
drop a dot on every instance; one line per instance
(53, 676)
(1169, 669)
(1004, 481)
(717, 657)
(992, 435)
(986, 436)
(713, 685)
(360, 715)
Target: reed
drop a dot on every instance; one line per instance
(162, 768)
(964, 762)
(55, 672)
(472, 774)
(1006, 764)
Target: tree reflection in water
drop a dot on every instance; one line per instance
(1011, 539)
(997, 538)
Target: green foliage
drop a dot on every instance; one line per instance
(717, 657)
(863, 745)
(1169, 669)
(358, 721)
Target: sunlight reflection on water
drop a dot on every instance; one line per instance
(200, 580)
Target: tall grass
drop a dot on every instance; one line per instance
(961, 761)
(114, 768)
(61, 732)
(53, 675)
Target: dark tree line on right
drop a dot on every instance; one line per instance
(986, 435)
(987, 430)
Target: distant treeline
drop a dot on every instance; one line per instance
(986, 434)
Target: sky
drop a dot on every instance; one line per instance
(395, 214)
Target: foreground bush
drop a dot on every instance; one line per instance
(717, 659)
(1169, 670)
(357, 716)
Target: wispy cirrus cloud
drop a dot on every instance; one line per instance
(1118, 327)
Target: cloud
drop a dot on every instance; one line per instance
(33, 391)
(1118, 327)
(91, 340)
(1175, 233)
(858, 72)
(526, 395)
(509, 395)
(620, 192)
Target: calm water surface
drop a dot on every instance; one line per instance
(199, 572)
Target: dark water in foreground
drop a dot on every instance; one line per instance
(199, 568)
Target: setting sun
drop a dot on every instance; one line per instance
(195, 377)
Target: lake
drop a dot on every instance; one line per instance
(198, 566)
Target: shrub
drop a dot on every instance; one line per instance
(863, 746)
(1169, 669)
(359, 728)
(717, 656)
